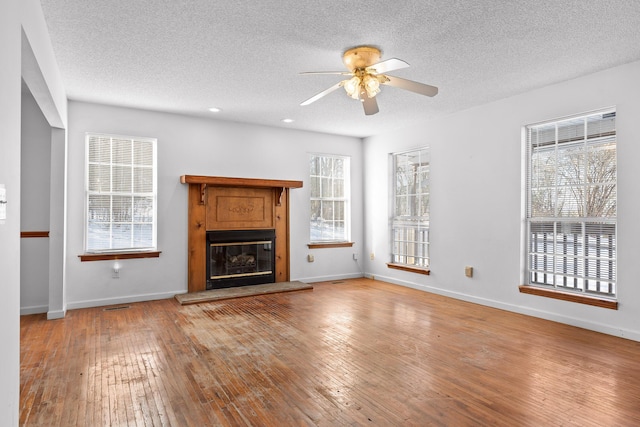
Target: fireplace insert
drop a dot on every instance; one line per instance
(240, 258)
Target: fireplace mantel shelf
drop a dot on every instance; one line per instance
(222, 181)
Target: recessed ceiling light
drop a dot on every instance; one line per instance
(215, 109)
(287, 120)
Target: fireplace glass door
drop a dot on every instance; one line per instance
(240, 257)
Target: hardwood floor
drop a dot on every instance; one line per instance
(354, 352)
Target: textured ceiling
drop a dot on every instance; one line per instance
(245, 56)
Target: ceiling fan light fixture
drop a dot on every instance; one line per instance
(352, 87)
(371, 85)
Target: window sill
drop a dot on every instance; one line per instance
(106, 256)
(567, 296)
(409, 268)
(330, 245)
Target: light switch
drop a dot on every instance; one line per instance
(3, 203)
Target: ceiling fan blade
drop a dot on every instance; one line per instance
(370, 104)
(323, 93)
(340, 73)
(412, 86)
(387, 65)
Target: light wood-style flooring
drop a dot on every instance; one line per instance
(354, 352)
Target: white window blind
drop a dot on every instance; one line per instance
(410, 220)
(330, 195)
(120, 193)
(571, 204)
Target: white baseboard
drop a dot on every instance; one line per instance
(329, 278)
(122, 300)
(35, 309)
(56, 314)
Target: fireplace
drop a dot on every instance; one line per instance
(224, 204)
(240, 258)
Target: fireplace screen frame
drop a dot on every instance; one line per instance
(243, 275)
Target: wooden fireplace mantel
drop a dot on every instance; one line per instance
(224, 203)
(223, 181)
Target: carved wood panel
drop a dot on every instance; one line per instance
(232, 208)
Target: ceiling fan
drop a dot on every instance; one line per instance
(366, 71)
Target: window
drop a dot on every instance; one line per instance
(330, 194)
(571, 204)
(120, 194)
(410, 220)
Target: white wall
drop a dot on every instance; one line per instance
(198, 146)
(18, 19)
(34, 212)
(10, 229)
(476, 204)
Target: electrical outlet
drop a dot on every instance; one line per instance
(115, 274)
(310, 258)
(468, 271)
(372, 256)
(355, 257)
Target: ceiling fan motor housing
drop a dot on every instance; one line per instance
(361, 57)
